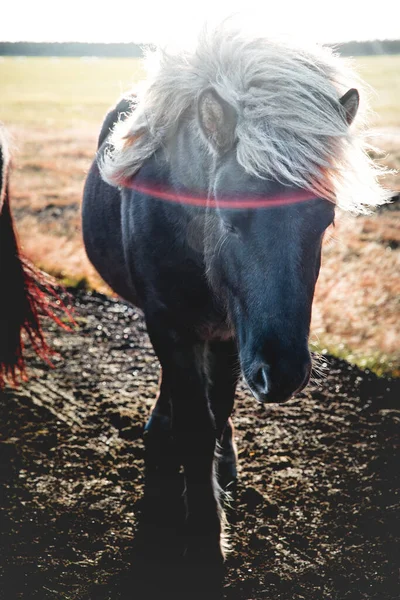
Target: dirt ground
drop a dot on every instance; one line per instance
(316, 510)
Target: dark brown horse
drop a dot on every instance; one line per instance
(206, 207)
(26, 293)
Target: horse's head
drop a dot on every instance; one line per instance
(263, 261)
(271, 123)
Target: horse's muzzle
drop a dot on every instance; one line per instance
(271, 386)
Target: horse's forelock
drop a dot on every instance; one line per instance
(290, 125)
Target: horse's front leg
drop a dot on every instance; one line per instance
(224, 372)
(160, 448)
(195, 434)
(184, 365)
(163, 483)
(196, 439)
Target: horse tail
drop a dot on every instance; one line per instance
(26, 293)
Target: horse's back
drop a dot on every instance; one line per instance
(102, 219)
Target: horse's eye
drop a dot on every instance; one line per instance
(229, 227)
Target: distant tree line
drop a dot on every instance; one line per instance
(68, 49)
(369, 48)
(374, 47)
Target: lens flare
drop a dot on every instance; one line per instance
(161, 192)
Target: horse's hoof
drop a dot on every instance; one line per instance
(204, 574)
(203, 550)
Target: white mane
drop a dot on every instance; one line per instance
(291, 126)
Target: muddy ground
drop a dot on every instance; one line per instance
(316, 510)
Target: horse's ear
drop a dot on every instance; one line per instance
(350, 103)
(217, 119)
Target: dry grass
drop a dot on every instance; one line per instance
(356, 311)
(47, 190)
(53, 109)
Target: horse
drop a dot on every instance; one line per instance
(27, 293)
(205, 207)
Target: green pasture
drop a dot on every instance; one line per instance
(62, 92)
(65, 92)
(382, 73)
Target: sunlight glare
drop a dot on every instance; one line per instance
(177, 21)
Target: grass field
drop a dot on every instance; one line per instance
(382, 73)
(53, 109)
(63, 92)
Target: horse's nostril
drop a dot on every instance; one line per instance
(261, 380)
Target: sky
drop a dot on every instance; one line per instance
(177, 21)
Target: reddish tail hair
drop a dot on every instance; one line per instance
(26, 294)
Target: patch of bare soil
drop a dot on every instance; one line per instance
(316, 509)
